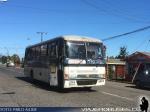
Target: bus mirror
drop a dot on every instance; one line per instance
(104, 48)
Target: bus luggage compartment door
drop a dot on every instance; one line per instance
(53, 75)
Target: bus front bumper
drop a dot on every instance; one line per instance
(83, 83)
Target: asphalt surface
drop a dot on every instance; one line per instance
(19, 91)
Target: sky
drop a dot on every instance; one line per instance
(20, 20)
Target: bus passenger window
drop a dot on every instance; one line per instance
(28, 54)
(52, 50)
(33, 52)
(38, 52)
(44, 50)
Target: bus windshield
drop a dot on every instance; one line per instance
(94, 51)
(76, 50)
(82, 50)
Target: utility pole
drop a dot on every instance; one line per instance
(7, 51)
(8, 57)
(42, 33)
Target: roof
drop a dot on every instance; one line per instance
(146, 53)
(138, 52)
(71, 38)
(142, 57)
(80, 38)
(115, 62)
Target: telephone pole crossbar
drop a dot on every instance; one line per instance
(42, 33)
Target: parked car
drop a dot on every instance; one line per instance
(142, 78)
(10, 64)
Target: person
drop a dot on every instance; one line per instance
(144, 105)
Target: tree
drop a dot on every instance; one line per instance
(123, 53)
(0, 58)
(15, 58)
(4, 59)
(111, 57)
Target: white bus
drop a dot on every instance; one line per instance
(67, 61)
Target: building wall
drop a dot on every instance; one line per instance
(115, 72)
(120, 71)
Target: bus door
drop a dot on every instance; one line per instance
(53, 74)
(53, 64)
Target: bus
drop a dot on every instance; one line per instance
(67, 61)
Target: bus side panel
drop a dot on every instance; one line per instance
(27, 71)
(41, 74)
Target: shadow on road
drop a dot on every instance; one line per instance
(8, 93)
(142, 88)
(45, 86)
(121, 81)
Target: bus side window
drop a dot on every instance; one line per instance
(33, 52)
(44, 50)
(37, 52)
(27, 55)
(52, 50)
(60, 49)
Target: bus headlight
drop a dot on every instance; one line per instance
(102, 75)
(99, 81)
(72, 82)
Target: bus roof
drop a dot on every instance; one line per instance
(80, 38)
(70, 38)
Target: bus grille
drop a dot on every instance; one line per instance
(86, 82)
(88, 76)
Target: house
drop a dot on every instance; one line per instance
(134, 62)
(115, 69)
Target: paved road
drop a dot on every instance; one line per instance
(17, 90)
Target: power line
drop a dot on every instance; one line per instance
(128, 33)
(114, 12)
(118, 9)
(140, 45)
